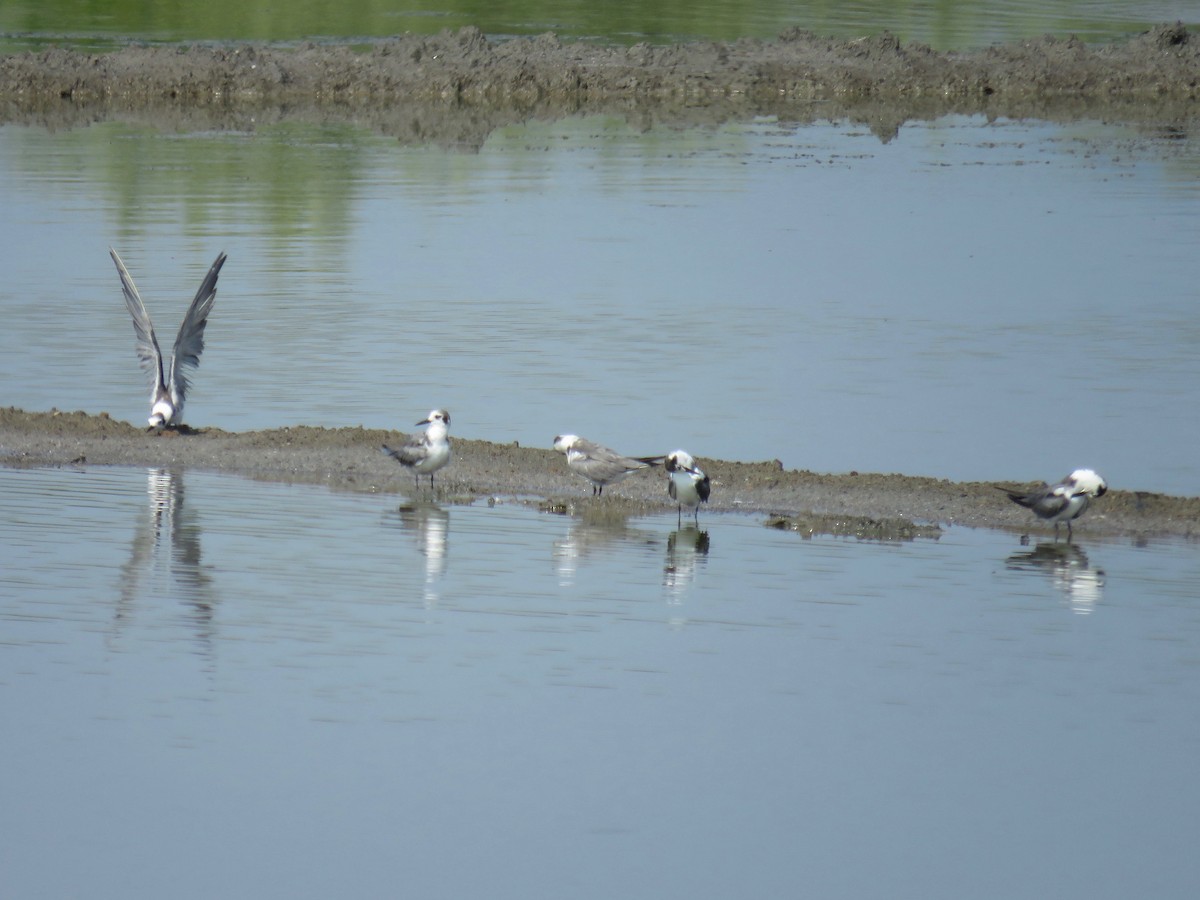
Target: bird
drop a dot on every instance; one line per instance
(169, 386)
(427, 451)
(686, 482)
(1062, 502)
(600, 465)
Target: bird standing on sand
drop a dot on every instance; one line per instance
(427, 451)
(686, 482)
(600, 465)
(169, 387)
(1062, 502)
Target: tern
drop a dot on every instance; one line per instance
(169, 386)
(1062, 502)
(686, 482)
(427, 451)
(599, 464)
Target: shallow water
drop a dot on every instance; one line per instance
(970, 299)
(963, 24)
(214, 686)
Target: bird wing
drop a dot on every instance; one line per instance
(1049, 502)
(598, 453)
(149, 356)
(599, 463)
(649, 460)
(411, 452)
(1026, 499)
(189, 343)
(585, 449)
(704, 487)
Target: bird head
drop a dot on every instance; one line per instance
(1086, 481)
(680, 460)
(437, 415)
(564, 442)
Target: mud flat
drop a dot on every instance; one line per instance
(457, 87)
(866, 505)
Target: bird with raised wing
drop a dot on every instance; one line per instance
(169, 384)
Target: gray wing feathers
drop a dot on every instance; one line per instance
(189, 344)
(605, 457)
(411, 452)
(148, 353)
(650, 460)
(1045, 501)
(1051, 504)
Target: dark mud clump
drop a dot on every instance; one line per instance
(880, 507)
(861, 527)
(458, 86)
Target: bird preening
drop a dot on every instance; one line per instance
(1065, 501)
(169, 383)
(686, 482)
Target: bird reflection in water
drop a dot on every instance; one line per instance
(687, 551)
(596, 531)
(428, 524)
(171, 523)
(1067, 565)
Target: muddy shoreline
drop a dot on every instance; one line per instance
(457, 87)
(348, 459)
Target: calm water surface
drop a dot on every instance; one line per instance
(970, 299)
(216, 687)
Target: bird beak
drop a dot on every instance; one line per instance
(424, 422)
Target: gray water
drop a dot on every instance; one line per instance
(968, 299)
(218, 687)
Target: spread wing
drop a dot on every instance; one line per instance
(149, 356)
(189, 344)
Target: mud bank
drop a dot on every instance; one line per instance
(455, 87)
(349, 459)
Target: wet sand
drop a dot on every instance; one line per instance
(348, 459)
(456, 87)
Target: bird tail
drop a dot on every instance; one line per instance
(651, 460)
(1017, 497)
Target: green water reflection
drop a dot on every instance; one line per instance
(293, 180)
(30, 24)
(299, 181)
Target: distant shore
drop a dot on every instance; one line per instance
(456, 87)
(348, 459)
